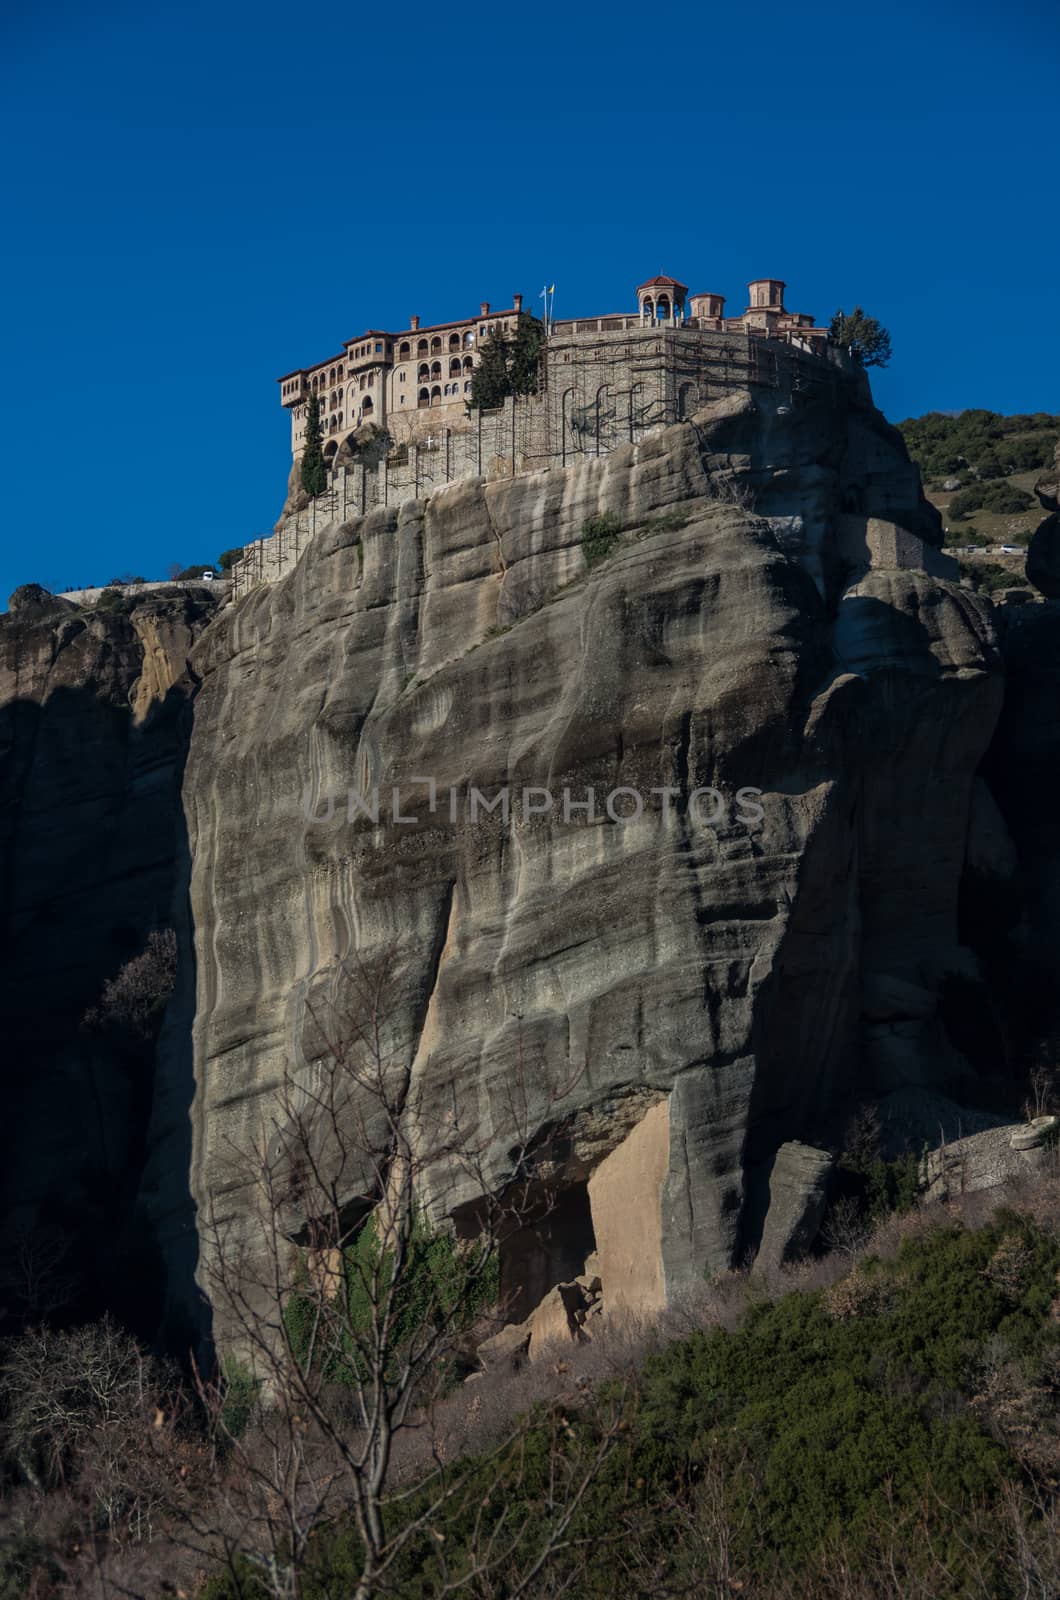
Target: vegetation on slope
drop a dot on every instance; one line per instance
(888, 1426)
(979, 469)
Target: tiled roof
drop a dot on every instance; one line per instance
(662, 282)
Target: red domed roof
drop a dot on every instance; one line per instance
(662, 282)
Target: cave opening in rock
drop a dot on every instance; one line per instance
(551, 1245)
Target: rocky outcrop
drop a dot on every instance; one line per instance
(1043, 552)
(798, 1195)
(93, 740)
(734, 971)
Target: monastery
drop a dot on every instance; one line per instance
(388, 378)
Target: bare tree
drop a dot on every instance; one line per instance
(353, 1299)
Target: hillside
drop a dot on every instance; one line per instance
(555, 868)
(979, 470)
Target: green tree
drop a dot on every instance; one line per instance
(314, 472)
(525, 354)
(228, 558)
(491, 381)
(866, 339)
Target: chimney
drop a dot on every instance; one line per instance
(484, 309)
(414, 323)
(517, 301)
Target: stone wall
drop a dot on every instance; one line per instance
(601, 389)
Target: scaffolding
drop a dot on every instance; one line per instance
(597, 390)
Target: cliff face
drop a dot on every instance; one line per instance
(92, 739)
(760, 622)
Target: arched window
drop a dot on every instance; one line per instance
(424, 370)
(423, 398)
(422, 348)
(436, 345)
(454, 366)
(366, 406)
(436, 395)
(364, 380)
(454, 341)
(469, 337)
(436, 369)
(404, 350)
(662, 308)
(469, 365)
(467, 387)
(649, 307)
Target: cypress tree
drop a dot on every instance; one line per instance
(525, 354)
(314, 472)
(490, 381)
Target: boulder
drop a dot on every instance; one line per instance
(798, 1194)
(509, 1344)
(1043, 558)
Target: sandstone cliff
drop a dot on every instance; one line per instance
(92, 740)
(768, 618)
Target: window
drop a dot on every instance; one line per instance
(404, 350)
(436, 345)
(423, 398)
(454, 341)
(422, 349)
(401, 377)
(379, 349)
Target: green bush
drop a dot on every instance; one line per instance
(241, 1390)
(826, 1417)
(114, 600)
(991, 444)
(436, 1283)
(600, 534)
(1005, 498)
(965, 501)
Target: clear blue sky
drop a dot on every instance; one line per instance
(200, 198)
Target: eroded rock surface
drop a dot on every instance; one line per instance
(749, 976)
(91, 831)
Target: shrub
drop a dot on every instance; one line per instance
(600, 534)
(435, 1282)
(1005, 498)
(114, 600)
(228, 558)
(241, 1391)
(965, 501)
(60, 1387)
(133, 1002)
